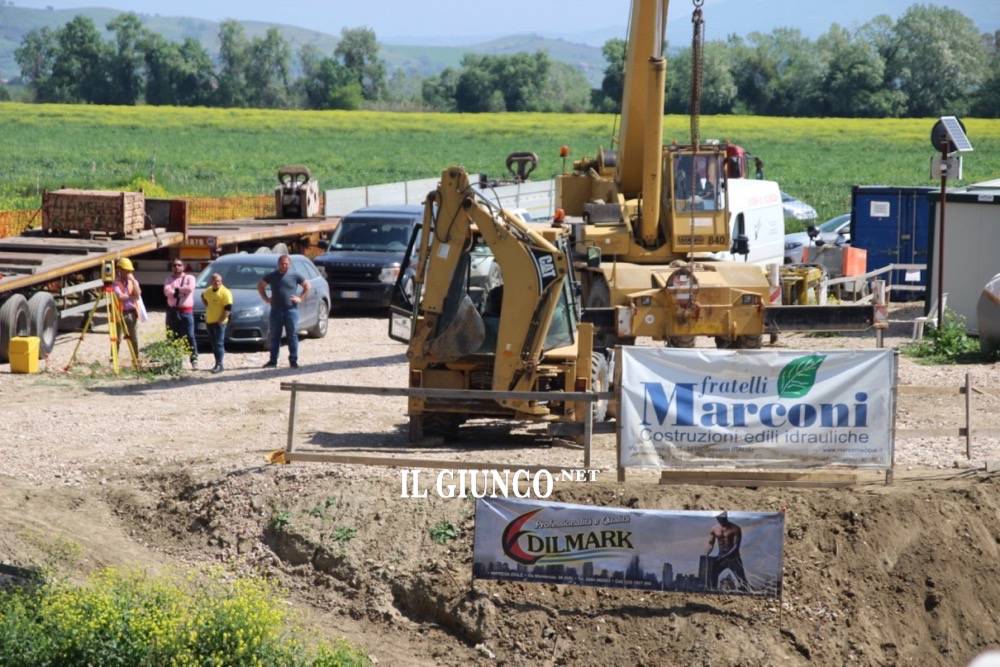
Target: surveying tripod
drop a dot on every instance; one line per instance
(116, 321)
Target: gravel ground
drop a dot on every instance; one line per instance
(69, 428)
(164, 473)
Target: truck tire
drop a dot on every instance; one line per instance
(749, 342)
(322, 320)
(43, 320)
(600, 381)
(13, 322)
(681, 341)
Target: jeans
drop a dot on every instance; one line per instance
(182, 326)
(130, 318)
(217, 335)
(287, 319)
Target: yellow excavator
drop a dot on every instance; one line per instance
(647, 216)
(523, 334)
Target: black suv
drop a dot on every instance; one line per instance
(363, 259)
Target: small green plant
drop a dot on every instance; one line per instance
(318, 510)
(343, 534)
(280, 520)
(166, 357)
(443, 532)
(947, 344)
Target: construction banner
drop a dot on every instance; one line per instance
(734, 553)
(756, 408)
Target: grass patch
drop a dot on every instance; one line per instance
(129, 619)
(947, 344)
(165, 357)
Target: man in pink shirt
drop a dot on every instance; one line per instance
(179, 291)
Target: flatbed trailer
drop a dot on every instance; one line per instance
(45, 278)
(206, 241)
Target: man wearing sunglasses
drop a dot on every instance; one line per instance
(179, 291)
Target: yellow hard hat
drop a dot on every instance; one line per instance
(125, 264)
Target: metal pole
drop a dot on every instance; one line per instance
(588, 434)
(968, 416)
(940, 275)
(291, 421)
(619, 396)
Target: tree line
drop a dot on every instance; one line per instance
(931, 61)
(74, 64)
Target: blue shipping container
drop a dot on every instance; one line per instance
(894, 225)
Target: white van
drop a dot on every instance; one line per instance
(755, 212)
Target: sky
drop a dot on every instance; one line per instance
(457, 22)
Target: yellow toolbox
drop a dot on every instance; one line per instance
(23, 354)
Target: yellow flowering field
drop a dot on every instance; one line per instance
(218, 152)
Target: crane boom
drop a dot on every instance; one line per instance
(643, 64)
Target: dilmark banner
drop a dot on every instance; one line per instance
(735, 553)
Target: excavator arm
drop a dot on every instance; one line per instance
(449, 326)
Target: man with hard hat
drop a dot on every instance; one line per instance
(127, 290)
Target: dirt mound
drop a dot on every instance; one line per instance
(873, 575)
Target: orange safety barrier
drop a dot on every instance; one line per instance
(211, 209)
(13, 223)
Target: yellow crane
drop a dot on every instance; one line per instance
(646, 216)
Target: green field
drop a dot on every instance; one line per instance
(194, 151)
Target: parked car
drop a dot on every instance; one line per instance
(248, 322)
(835, 231)
(796, 209)
(363, 259)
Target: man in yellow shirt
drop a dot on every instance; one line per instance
(218, 302)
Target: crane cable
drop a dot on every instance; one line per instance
(697, 71)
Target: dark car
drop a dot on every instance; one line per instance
(365, 253)
(249, 320)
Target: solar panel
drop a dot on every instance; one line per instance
(956, 133)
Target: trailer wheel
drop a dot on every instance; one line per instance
(599, 382)
(724, 343)
(43, 320)
(13, 322)
(749, 342)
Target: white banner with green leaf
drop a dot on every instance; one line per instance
(756, 408)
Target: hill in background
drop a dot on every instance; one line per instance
(15, 22)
